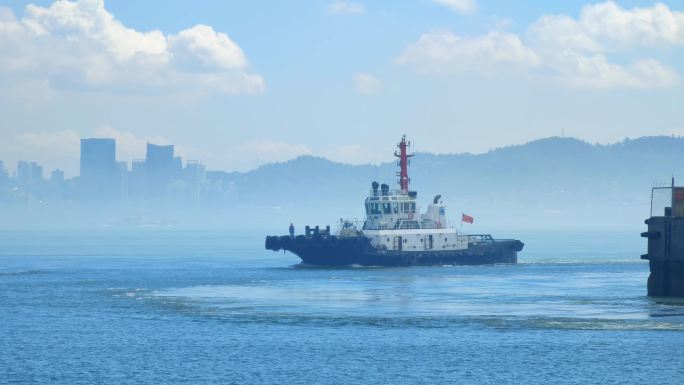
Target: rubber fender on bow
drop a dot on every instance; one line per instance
(518, 246)
(273, 243)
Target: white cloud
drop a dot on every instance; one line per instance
(609, 27)
(558, 32)
(460, 6)
(445, 52)
(200, 47)
(60, 144)
(573, 52)
(81, 45)
(57, 149)
(343, 7)
(595, 71)
(350, 154)
(638, 26)
(367, 84)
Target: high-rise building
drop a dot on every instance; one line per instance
(3, 174)
(28, 173)
(57, 176)
(136, 179)
(23, 173)
(56, 188)
(122, 178)
(160, 169)
(194, 175)
(99, 173)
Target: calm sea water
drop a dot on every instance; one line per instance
(172, 306)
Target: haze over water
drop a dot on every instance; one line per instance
(135, 134)
(189, 306)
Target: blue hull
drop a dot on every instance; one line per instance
(334, 251)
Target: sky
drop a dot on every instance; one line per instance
(240, 84)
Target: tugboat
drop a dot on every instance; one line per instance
(394, 233)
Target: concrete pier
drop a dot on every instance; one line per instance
(666, 242)
(666, 256)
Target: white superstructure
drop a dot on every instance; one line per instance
(393, 222)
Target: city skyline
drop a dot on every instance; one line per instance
(241, 85)
(103, 179)
(81, 162)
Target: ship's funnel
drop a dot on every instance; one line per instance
(384, 188)
(375, 186)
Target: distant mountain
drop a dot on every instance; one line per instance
(558, 182)
(552, 183)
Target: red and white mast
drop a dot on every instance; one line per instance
(403, 164)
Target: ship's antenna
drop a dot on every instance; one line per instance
(375, 164)
(672, 192)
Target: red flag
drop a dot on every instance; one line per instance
(467, 218)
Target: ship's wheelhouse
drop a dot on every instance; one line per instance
(397, 210)
(389, 206)
(385, 207)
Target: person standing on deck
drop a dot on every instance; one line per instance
(291, 230)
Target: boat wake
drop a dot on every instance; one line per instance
(340, 302)
(21, 272)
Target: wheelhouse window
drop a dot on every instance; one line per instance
(387, 208)
(406, 225)
(408, 207)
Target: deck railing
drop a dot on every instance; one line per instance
(661, 198)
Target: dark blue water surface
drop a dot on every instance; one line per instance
(172, 306)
